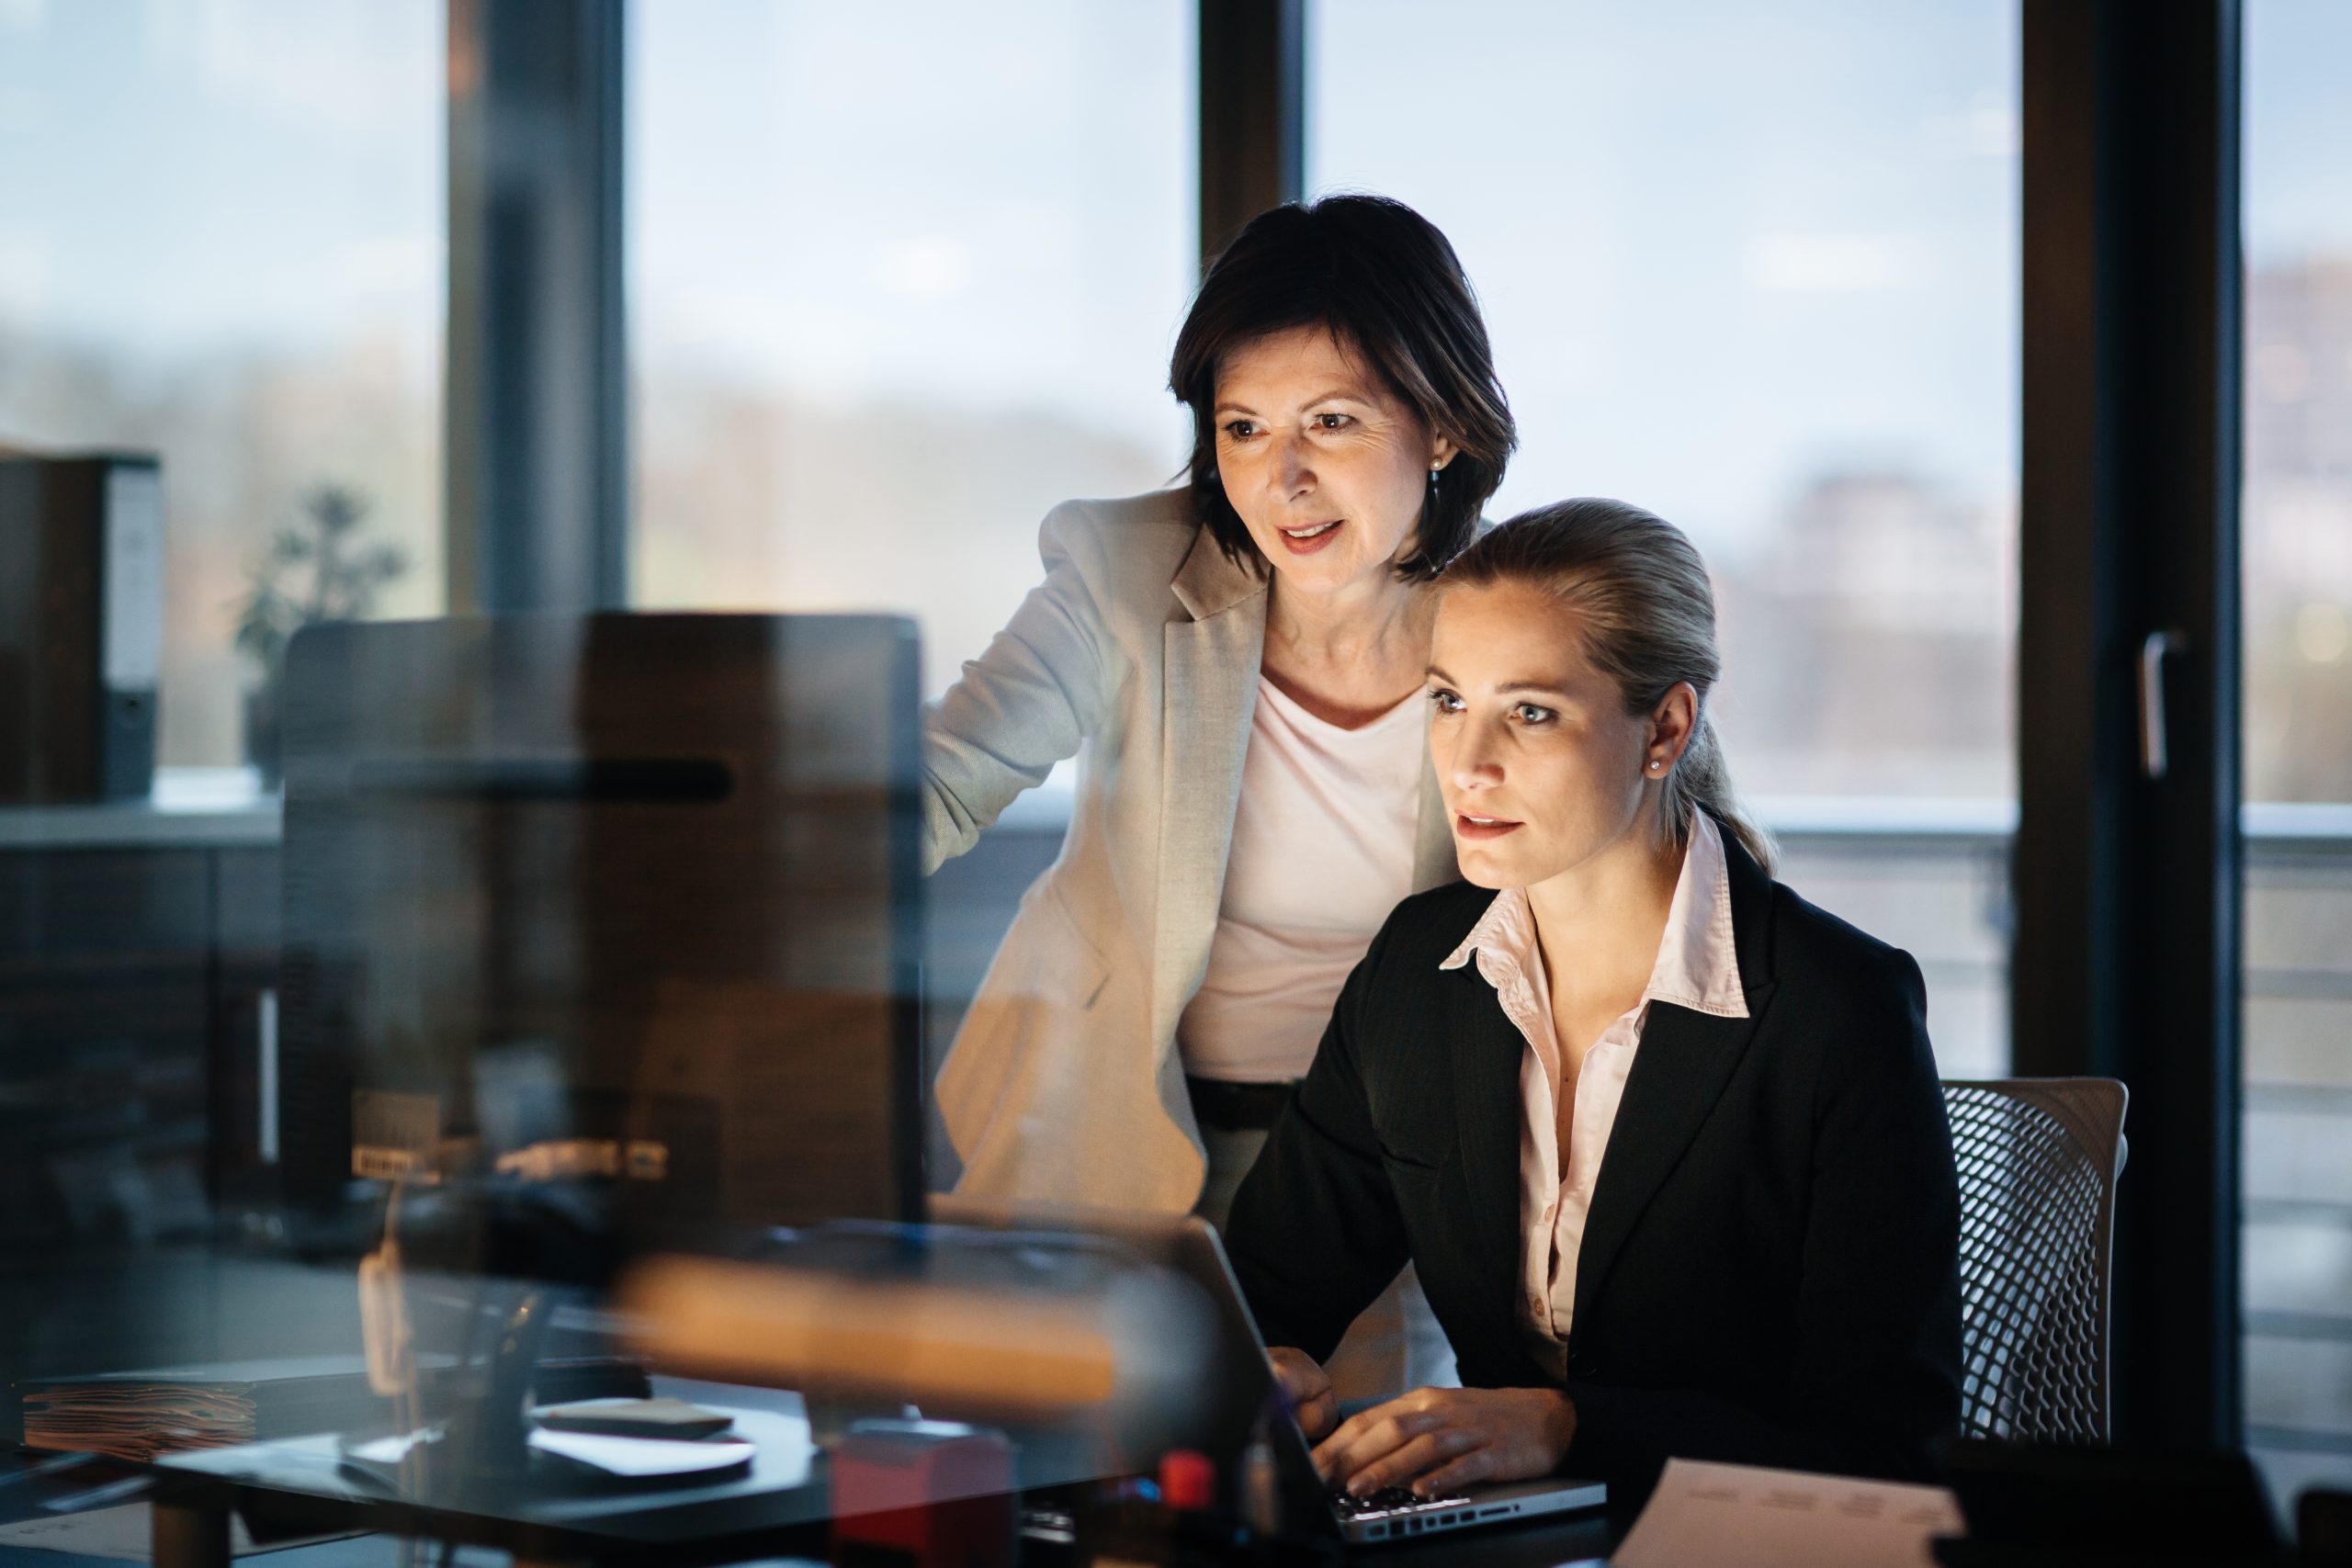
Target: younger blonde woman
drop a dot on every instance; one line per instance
(1664, 1141)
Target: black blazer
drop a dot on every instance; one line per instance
(1770, 1272)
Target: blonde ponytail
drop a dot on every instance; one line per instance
(1702, 779)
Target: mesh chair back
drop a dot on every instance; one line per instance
(2038, 1160)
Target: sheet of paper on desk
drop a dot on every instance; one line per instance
(1737, 1517)
(124, 1534)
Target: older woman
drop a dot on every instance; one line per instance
(1238, 666)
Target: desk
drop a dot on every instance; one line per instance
(781, 1507)
(31, 1486)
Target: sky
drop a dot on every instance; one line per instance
(182, 176)
(988, 205)
(1723, 246)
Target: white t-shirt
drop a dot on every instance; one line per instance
(1322, 850)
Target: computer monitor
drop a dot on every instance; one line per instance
(621, 908)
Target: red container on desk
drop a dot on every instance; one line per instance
(933, 1493)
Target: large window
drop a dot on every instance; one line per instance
(222, 244)
(1755, 267)
(2298, 735)
(899, 281)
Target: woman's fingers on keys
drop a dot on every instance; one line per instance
(1369, 1436)
(1421, 1456)
(1467, 1470)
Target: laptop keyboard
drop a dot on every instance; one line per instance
(1387, 1501)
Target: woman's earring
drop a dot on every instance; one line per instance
(1655, 764)
(1431, 502)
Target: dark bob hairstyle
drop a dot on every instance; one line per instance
(1382, 279)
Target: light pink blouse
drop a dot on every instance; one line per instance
(1697, 967)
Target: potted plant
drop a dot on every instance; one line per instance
(315, 569)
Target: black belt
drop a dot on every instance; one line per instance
(1232, 1106)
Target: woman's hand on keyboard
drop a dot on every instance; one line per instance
(1442, 1439)
(1309, 1389)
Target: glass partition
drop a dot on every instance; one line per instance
(222, 248)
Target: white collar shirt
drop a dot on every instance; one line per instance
(1697, 967)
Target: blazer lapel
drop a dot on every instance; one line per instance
(1209, 693)
(1686, 1058)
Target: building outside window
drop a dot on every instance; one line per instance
(2297, 521)
(1756, 268)
(876, 335)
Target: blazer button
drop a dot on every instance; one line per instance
(1584, 1364)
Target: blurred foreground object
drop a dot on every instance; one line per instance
(1076, 1341)
(602, 936)
(896, 1340)
(607, 920)
(934, 1493)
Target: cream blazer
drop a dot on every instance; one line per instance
(1138, 654)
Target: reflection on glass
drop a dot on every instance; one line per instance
(2297, 522)
(877, 334)
(222, 244)
(1755, 269)
(623, 903)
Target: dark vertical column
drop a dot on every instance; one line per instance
(2127, 852)
(537, 410)
(1253, 113)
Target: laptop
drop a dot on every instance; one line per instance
(1307, 1503)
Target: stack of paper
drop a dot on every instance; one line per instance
(1732, 1515)
(138, 1420)
(137, 1415)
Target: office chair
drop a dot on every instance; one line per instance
(2038, 1160)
